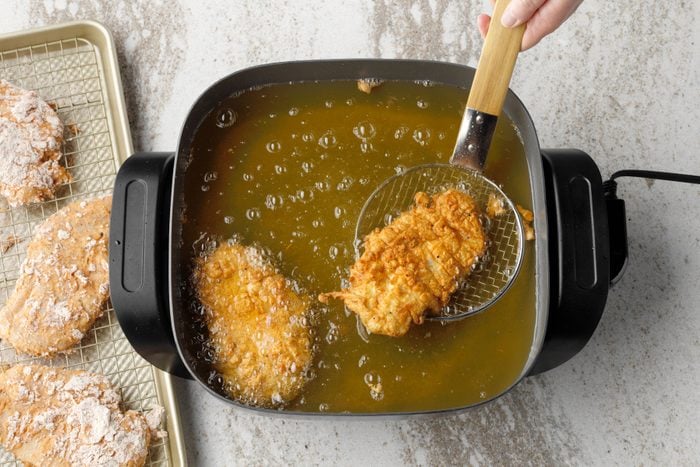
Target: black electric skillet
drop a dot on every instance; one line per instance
(580, 247)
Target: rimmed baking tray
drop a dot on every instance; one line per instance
(73, 66)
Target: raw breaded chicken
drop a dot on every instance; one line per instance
(63, 283)
(31, 135)
(59, 417)
(413, 265)
(257, 324)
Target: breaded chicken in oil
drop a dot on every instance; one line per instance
(412, 266)
(258, 326)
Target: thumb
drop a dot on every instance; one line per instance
(520, 11)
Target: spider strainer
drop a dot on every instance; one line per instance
(495, 272)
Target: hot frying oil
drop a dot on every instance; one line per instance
(288, 168)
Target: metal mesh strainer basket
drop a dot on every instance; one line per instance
(68, 74)
(496, 270)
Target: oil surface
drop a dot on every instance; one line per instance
(288, 168)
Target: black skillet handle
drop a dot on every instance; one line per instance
(579, 254)
(138, 256)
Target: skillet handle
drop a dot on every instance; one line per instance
(138, 257)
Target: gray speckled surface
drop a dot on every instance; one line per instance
(620, 81)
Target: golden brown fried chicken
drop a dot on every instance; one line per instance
(63, 283)
(59, 417)
(413, 265)
(31, 135)
(258, 326)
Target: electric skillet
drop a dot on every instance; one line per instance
(580, 246)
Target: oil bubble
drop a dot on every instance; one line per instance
(338, 212)
(273, 202)
(323, 407)
(362, 361)
(307, 137)
(400, 132)
(252, 214)
(226, 118)
(363, 181)
(329, 104)
(366, 147)
(205, 187)
(322, 186)
(421, 135)
(364, 130)
(399, 169)
(333, 252)
(293, 112)
(345, 184)
(327, 140)
(280, 169)
(247, 177)
(210, 177)
(307, 166)
(304, 196)
(350, 101)
(228, 220)
(422, 104)
(333, 332)
(273, 147)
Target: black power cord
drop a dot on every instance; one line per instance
(610, 186)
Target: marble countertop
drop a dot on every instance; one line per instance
(620, 81)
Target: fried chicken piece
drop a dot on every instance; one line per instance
(258, 326)
(413, 265)
(59, 417)
(31, 135)
(366, 85)
(528, 218)
(63, 283)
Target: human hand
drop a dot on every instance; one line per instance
(542, 17)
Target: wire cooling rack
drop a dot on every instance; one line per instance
(67, 74)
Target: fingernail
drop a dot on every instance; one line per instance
(508, 19)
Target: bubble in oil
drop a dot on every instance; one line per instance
(399, 169)
(345, 183)
(364, 130)
(422, 104)
(280, 169)
(333, 332)
(421, 135)
(307, 166)
(328, 104)
(228, 220)
(327, 140)
(247, 177)
(363, 180)
(205, 188)
(350, 101)
(273, 147)
(322, 186)
(374, 382)
(316, 223)
(338, 212)
(252, 214)
(304, 196)
(366, 147)
(273, 202)
(307, 137)
(323, 407)
(210, 177)
(226, 118)
(333, 252)
(293, 112)
(362, 361)
(400, 132)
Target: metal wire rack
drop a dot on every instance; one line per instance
(67, 75)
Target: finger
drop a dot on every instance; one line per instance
(546, 20)
(520, 11)
(482, 22)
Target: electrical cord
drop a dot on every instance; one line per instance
(610, 186)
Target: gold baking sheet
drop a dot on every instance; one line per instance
(73, 66)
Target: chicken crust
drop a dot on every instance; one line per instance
(258, 326)
(413, 265)
(31, 135)
(59, 417)
(63, 283)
